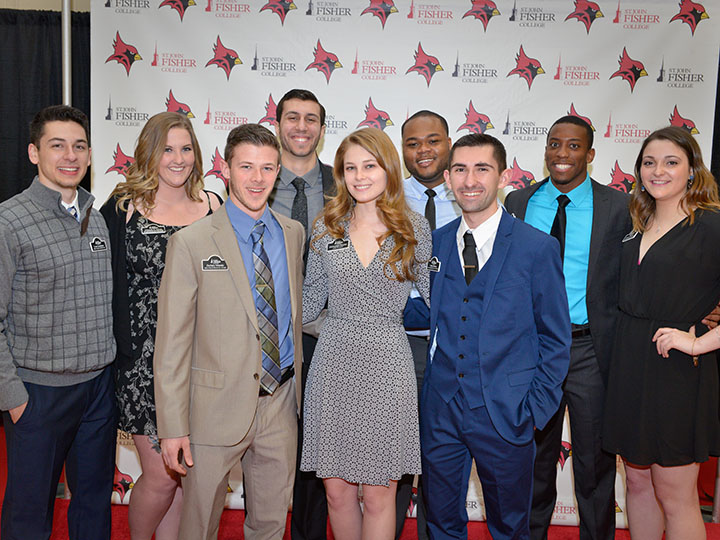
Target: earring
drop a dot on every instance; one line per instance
(691, 180)
(642, 188)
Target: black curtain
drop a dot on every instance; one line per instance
(31, 68)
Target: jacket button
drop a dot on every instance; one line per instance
(463, 318)
(257, 336)
(462, 337)
(256, 376)
(461, 375)
(461, 356)
(465, 300)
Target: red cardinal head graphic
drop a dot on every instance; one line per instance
(216, 169)
(381, 9)
(526, 67)
(520, 178)
(124, 54)
(280, 7)
(573, 112)
(325, 62)
(173, 105)
(565, 453)
(425, 65)
(178, 5)
(483, 10)
(374, 117)
(224, 58)
(685, 123)
(122, 483)
(630, 70)
(621, 180)
(270, 112)
(690, 13)
(586, 12)
(120, 161)
(474, 121)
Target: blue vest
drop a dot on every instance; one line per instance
(456, 363)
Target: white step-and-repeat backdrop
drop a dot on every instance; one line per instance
(508, 67)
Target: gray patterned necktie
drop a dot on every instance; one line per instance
(299, 211)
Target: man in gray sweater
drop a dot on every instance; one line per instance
(56, 340)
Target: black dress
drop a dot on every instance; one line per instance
(665, 410)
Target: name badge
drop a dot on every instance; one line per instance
(97, 244)
(152, 228)
(214, 263)
(434, 264)
(630, 236)
(339, 243)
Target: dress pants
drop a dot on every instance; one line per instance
(72, 425)
(593, 468)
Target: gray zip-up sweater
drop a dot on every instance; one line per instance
(55, 293)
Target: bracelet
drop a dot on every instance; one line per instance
(692, 353)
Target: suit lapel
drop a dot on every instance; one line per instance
(524, 197)
(445, 241)
(328, 181)
(496, 261)
(600, 222)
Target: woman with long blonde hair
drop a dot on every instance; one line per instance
(360, 416)
(162, 192)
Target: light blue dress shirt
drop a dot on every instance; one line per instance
(446, 209)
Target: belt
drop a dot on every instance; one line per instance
(286, 376)
(579, 331)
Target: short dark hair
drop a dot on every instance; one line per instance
(57, 113)
(302, 95)
(482, 139)
(254, 134)
(422, 113)
(576, 120)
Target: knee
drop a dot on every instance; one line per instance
(340, 497)
(639, 482)
(378, 501)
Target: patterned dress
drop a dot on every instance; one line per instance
(360, 415)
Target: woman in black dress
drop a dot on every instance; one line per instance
(661, 411)
(162, 193)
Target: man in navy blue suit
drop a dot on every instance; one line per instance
(500, 348)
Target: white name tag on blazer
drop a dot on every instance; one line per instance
(214, 263)
(630, 236)
(152, 228)
(97, 244)
(338, 243)
(434, 264)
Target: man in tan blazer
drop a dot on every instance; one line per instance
(224, 384)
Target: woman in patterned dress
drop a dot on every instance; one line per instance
(360, 414)
(162, 193)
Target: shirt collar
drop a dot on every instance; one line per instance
(482, 232)
(418, 188)
(577, 195)
(73, 203)
(243, 224)
(312, 177)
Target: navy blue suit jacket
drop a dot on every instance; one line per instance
(524, 331)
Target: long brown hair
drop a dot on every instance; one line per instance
(702, 192)
(391, 204)
(141, 178)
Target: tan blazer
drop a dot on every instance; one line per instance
(207, 351)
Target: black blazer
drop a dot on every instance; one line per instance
(611, 222)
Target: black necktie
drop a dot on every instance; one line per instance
(430, 208)
(299, 209)
(469, 253)
(560, 222)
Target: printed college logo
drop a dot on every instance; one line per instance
(428, 13)
(621, 180)
(565, 453)
(636, 19)
(224, 58)
(475, 122)
(173, 62)
(216, 168)
(124, 54)
(473, 72)
(425, 65)
(382, 9)
(520, 178)
(630, 70)
(325, 62)
(173, 105)
(526, 67)
(126, 116)
(335, 125)
(524, 130)
(227, 9)
(272, 66)
(531, 16)
(685, 123)
(586, 12)
(328, 11)
(374, 117)
(691, 13)
(577, 75)
(483, 10)
(373, 70)
(270, 112)
(573, 112)
(178, 5)
(223, 120)
(122, 483)
(625, 133)
(679, 77)
(128, 7)
(121, 161)
(280, 7)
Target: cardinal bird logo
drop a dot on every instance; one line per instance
(173, 105)
(374, 117)
(520, 178)
(585, 12)
(216, 169)
(270, 112)
(178, 5)
(381, 9)
(474, 121)
(224, 58)
(565, 453)
(621, 180)
(325, 62)
(124, 54)
(483, 10)
(690, 13)
(630, 70)
(573, 112)
(425, 65)
(121, 161)
(122, 483)
(526, 67)
(685, 123)
(280, 7)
